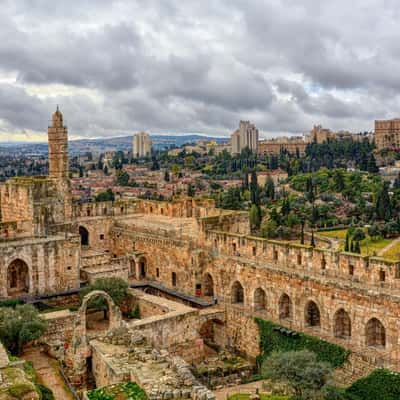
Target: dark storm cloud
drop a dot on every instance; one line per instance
(116, 66)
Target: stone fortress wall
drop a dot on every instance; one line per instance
(344, 298)
(50, 244)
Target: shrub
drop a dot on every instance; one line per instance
(46, 393)
(300, 370)
(20, 325)
(271, 339)
(381, 384)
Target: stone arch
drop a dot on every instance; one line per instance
(208, 283)
(237, 293)
(375, 333)
(342, 324)
(213, 333)
(79, 353)
(312, 314)
(84, 234)
(17, 278)
(259, 299)
(285, 307)
(115, 317)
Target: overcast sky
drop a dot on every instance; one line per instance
(175, 66)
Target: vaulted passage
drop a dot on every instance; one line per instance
(312, 314)
(260, 301)
(285, 307)
(342, 324)
(237, 293)
(84, 234)
(17, 278)
(375, 334)
(142, 267)
(208, 285)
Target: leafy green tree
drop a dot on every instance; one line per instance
(191, 190)
(166, 176)
(300, 370)
(231, 199)
(338, 179)
(115, 287)
(374, 231)
(396, 183)
(268, 229)
(155, 166)
(19, 326)
(358, 235)
(357, 248)
(371, 164)
(122, 178)
(108, 195)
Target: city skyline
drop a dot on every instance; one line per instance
(197, 69)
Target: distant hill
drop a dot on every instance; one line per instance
(124, 143)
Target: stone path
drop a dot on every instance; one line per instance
(395, 242)
(222, 394)
(47, 373)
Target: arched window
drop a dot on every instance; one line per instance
(208, 285)
(375, 334)
(84, 234)
(237, 293)
(312, 314)
(260, 302)
(285, 307)
(342, 324)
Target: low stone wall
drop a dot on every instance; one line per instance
(149, 306)
(59, 332)
(177, 326)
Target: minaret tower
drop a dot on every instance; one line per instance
(58, 162)
(58, 147)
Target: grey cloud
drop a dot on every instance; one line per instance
(198, 66)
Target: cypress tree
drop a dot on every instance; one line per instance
(346, 243)
(312, 239)
(302, 233)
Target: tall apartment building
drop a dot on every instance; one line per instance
(245, 136)
(141, 145)
(387, 134)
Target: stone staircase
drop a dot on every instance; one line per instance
(354, 368)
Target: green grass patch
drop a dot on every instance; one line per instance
(242, 396)
(122, 391)
(273, 340)
(334, 234)
(392, 254)
(368, 246)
